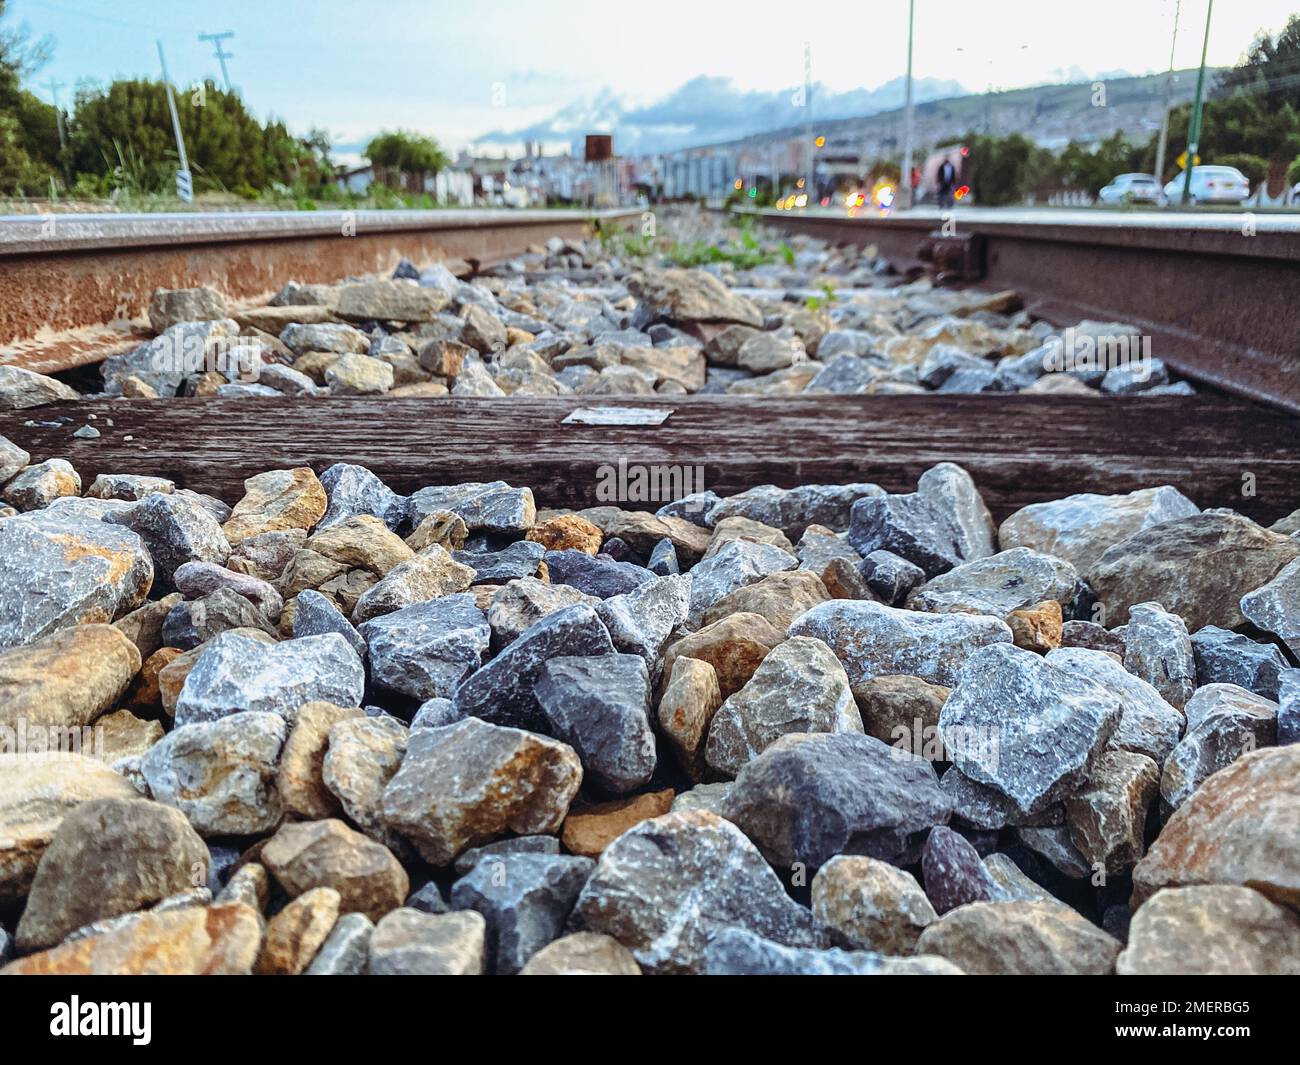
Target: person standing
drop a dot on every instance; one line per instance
(947, 182)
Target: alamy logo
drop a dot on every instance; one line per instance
(1072, 352)
(134, 1019)
(647, 484)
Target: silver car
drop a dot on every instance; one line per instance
(1210, 184)
(1131, 188)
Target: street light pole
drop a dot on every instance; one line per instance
(1194, 130)
(1164, 113)
(907, 114)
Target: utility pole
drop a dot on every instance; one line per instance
(1194, 130)
(906, 175)
(54, 87)
(1164, 113)
(184, 180)
(220, 53)
(811, 182)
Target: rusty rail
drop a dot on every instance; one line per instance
(74, 288)
(1218, 294)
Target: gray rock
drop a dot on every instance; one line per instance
(189, 624)
(998, 584)
(1134, 377)
(353, 490)
(502, 691)
(22, 389)
(792, 510)
(1158, 649)
(164, 362)
(819, 546)
(1079, 528)
(600, 706)
(61, 571)
(1025, 727)
(1055, 844)
(641, 621)
(663, 559)
(428, 899)
(434, 713)
(221, 774)
(325, 336)
(890, 577)
(520, 603)
(175, 531)
(739, 952)
(687, 297)
(953, 872)
(1107, 819)
(694, 508)
(1275, 607)
(514, 562)
(1020, 938)
(871, 639)
(424, 651)
(346, 950)
(316, 615)
(736, 564)
(656, 889)
(195, 580)
(597, 576)
(410, 943)
(129, 487)
(843, 374)
(509, 845)
(1224, 657)
(910, 526)
(1091, 636)
(1288, 714)
(800, 687)
(13, 458)
(809, 797)
(1148, 724)
(953, 492)
(525, 899)
(236, 673)
(484, 506)
(1223, 723)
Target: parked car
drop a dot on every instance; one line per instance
(1210, 184)
(1131, 188)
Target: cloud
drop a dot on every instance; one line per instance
(708, 109)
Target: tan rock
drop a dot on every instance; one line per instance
(891, 702)
(567, 532)
(361, 542)
(429, 575)
(1020, 938)
(1214, 930)
(780, 598)
(249, 884)
(36, 794)
(582, 954)
(123, 735)
(191, 941)
(143, 627)
(1107, 818)
(445, 528)
(733, 646)
(67, 679)
(686, 710)
(642, 529)
(1037, 628)
(145, 693)
(299, 774)
(409, 942)
(843, 580)
(588, 830)
(277, 499)
(311, 854)
(1239, 827)
(871, 905)
(363, 755)
(295, 934)
(739, 527)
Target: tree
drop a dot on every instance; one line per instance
(27, 155)
(408, 153)
(1270, 71)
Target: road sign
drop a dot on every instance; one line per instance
(1182, 161)
(185, 186)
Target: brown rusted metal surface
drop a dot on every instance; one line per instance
(1220, 298)
(1020, 449)
(75, 291)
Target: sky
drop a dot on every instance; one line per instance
(460, 70)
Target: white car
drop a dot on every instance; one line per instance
(1131, 188)
(1210, 184)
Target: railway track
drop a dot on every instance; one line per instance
(74, 288)
(1216, 293)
